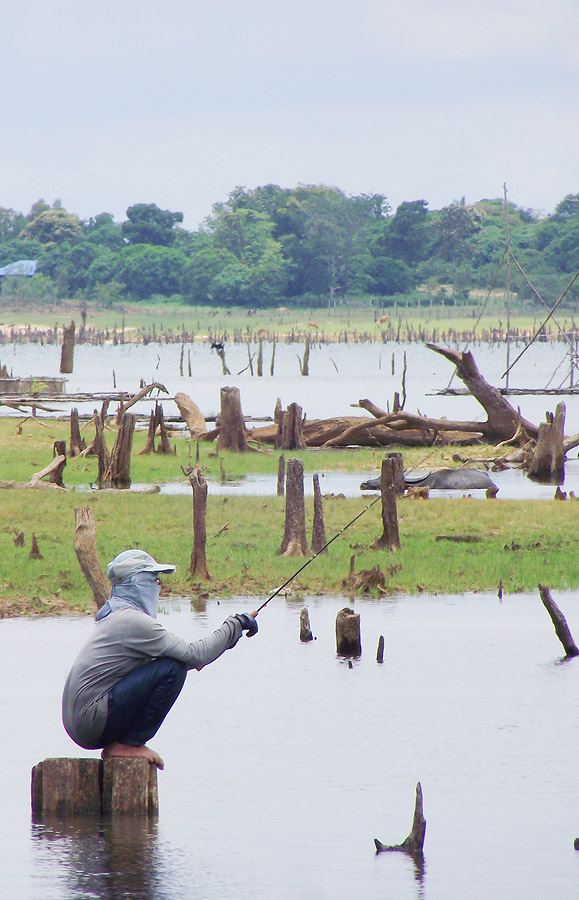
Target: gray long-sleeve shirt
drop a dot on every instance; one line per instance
(121, 642)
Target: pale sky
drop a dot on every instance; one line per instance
(115, 102)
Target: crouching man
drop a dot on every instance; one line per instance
(131, 670)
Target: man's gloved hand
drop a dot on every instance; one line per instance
(248, 623)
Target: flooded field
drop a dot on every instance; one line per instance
(283, 763)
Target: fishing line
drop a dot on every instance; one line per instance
(321, 550)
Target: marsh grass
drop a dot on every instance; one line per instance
(522, 544)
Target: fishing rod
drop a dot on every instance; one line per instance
(321, 550)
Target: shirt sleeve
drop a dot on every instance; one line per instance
(151, 639)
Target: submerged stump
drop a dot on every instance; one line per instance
(414, 843)
(348, 640)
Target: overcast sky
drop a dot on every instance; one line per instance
(115, 102)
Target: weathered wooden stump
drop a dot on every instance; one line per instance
(198, 567)
(294, 541)
(232, 431)
(290, 423)
(548, 463)
(414, 843)
(319, 528)
(281, 476)
(348, 640)
(77, 442)
(380, 650)
(559, 622)
(57, 474)
(390, 537)
(305, 630)
(191, 415)
(121, 456)
(35, 549)
(90, 787)
(398, 471)
(67, 352)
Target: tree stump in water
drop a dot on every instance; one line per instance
(414, 843)
(198, 567)
(294, 541)
(87, 555)
(77, 442)
(559, 622)
(67, 352)
(305, 630)
(121, 456)
(319, 529)
(91, 787)
(232, 432)
(548, 463)
(348, 640)
(390, 538)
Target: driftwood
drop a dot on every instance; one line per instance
(87, 555)
(198, 566)
(414, 843)
(191, 414)
(559, 622)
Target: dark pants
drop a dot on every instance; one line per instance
(139, 702)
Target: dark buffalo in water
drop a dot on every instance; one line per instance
(442, 480)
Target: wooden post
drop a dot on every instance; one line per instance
(130, 787)
(380, 650)
(198, 567)
(305, 630)
(305, 363)
(90, 787)
(67, 353)
(319, 529)
(121, 455)
(390, 538)
(281, 476)
(272, 364)
(294, 541)
(348, 640)
(398, 471)
(87, 555)
(559, 622)
(232, 433)
(548, 461)
(414, 843)
(260, 359)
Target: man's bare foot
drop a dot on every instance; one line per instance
(128, 751)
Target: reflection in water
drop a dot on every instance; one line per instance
(109, 858)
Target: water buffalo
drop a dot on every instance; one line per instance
(442, 480)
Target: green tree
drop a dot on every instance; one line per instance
(52, 227)
(146, 270)
(147, 224)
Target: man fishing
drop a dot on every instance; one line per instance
(131, 670)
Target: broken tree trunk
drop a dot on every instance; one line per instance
(164, 445)
(58, 451)
(150, 443)
(191, 415)
(348, 640)
(101, 451)
(548, 463)
(305, 631)
(232, 433)
(318, 529)
(559, 622)
(198, 568)
(390, 538)
(67, 352)
(281, 476)
(77, 442)
(120, 466)
(398, 471)
(58, 462)
(502, 420)
(87, 555)
(294, 541)
(290, 428)
(414, 843)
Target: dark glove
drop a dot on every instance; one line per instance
(247, 623)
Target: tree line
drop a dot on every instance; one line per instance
(311, 245)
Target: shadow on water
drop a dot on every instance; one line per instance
(99, 858)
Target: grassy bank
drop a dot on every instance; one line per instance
(521, 543)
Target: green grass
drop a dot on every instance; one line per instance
(522, 544)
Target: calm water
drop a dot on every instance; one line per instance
(283, 764)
